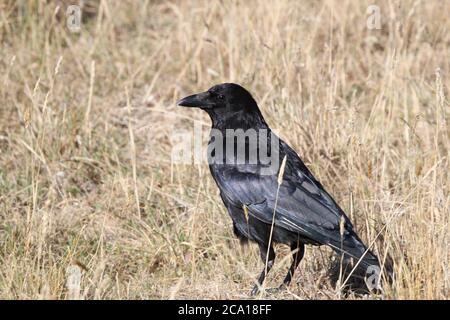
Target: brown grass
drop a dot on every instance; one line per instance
(87, 123)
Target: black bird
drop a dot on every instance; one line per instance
(265, 209)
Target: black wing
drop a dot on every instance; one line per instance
(302, 206)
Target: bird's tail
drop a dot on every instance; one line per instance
(352, 247)
(365, 262)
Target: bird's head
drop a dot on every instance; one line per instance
(224, 102)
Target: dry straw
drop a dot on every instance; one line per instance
(85, 166)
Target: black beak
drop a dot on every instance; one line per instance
(199, 100)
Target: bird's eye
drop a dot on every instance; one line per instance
(221, 96)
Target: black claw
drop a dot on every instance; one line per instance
(254, 291)
(275, 290)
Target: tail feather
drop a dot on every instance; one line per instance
(366, 264)
(350, 245)
(353, 247)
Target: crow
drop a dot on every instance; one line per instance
(287, 205)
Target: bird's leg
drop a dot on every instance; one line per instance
(271, 260)
(299, 249)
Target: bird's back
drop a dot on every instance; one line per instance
(301, 205)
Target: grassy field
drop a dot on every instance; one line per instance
(88, 121)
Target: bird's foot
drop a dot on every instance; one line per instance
(254, 291)
(275, 290)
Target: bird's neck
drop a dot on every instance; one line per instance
(238, 120)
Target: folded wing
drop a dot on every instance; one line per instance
(300, 205)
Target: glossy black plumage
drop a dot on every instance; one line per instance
(304, 212)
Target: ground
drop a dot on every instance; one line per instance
(92, 204)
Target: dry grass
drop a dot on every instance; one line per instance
(86, 132)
